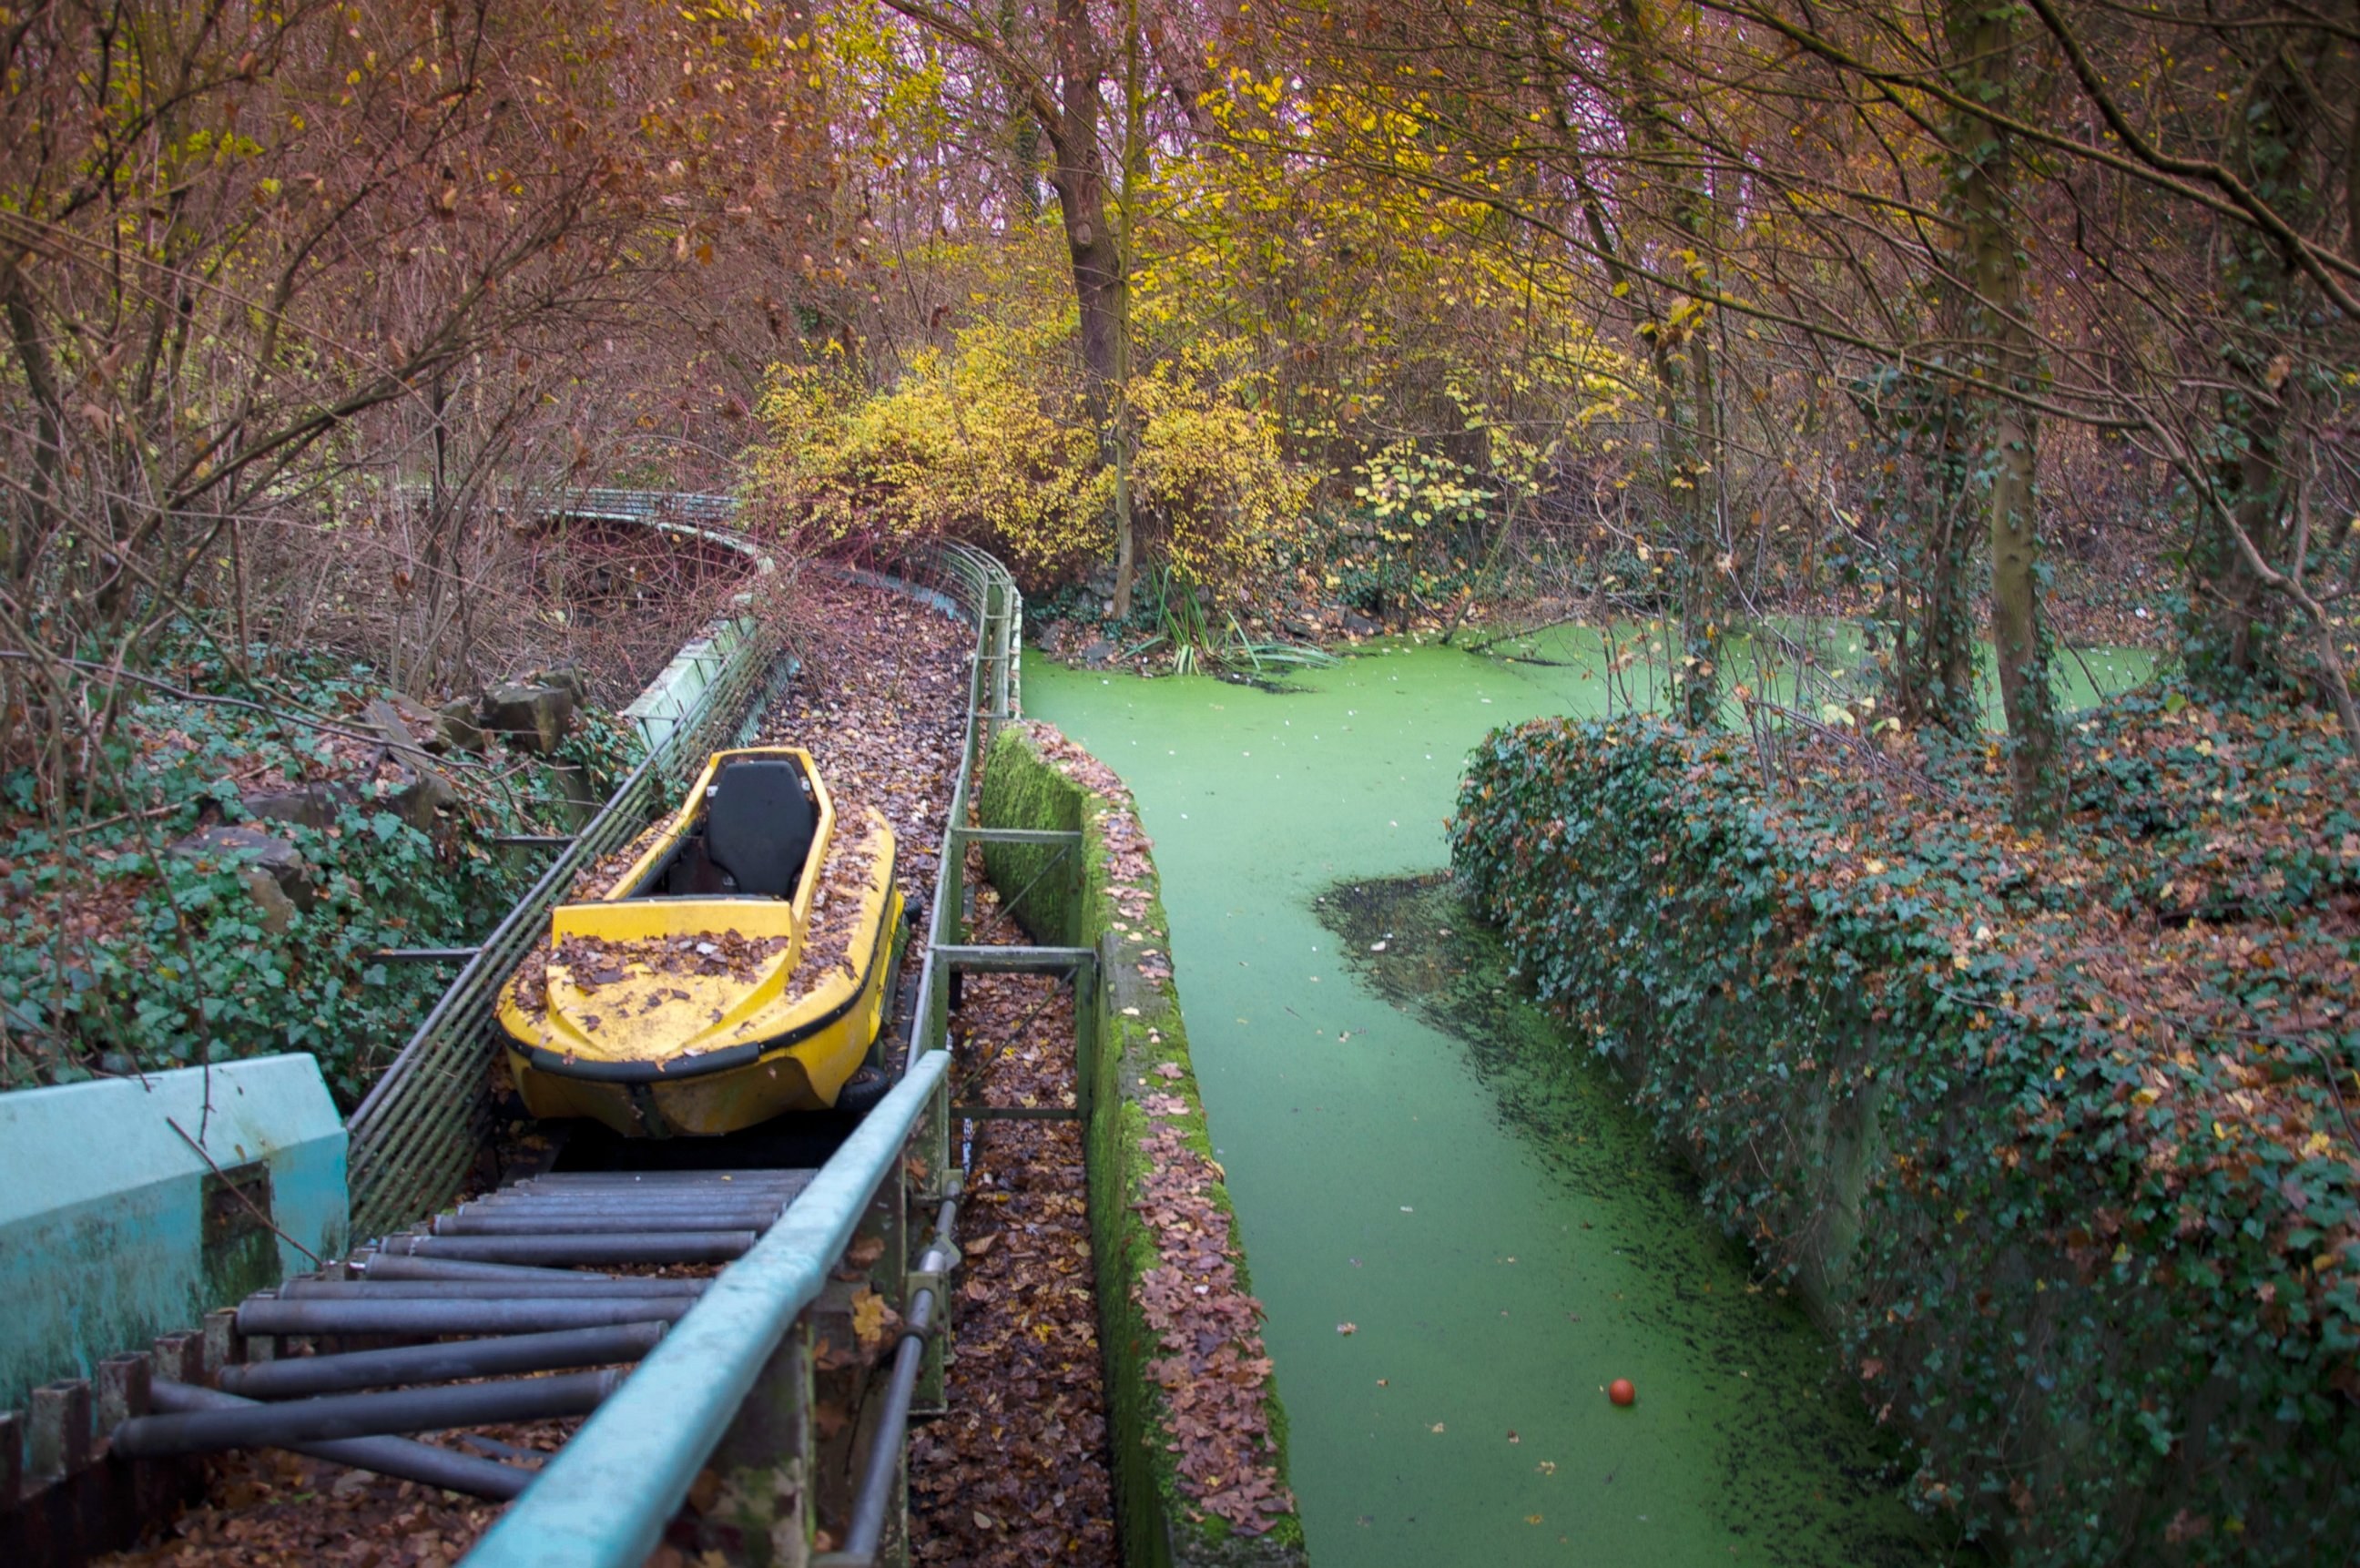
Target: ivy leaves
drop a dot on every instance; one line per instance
(2060, 1126)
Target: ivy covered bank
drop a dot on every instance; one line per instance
(2056, 1134)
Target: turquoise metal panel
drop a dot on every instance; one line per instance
(672, 697)
(604, 1501)
(114, 1229)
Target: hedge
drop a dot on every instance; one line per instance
(2054, 1135)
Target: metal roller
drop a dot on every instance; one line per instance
(269, 1315)
(338, 1416)
(441, 1363)
(399, 1265)
(485, 1290)
(716, 1198)
(622, 1219)
(628, 1247)
(660, 1185)
(396, 1456)
(759, 1209)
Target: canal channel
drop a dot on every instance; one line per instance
(1461, 1233)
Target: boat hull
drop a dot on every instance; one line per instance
(675, 1001)
(803, 1071)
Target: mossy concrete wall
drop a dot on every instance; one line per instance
(1132, 1029)
(129, 1207)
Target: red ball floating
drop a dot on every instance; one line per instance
(1622, 1393)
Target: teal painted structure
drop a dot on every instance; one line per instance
(114, 1229)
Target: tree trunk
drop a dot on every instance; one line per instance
(29, 535)
(1681, 356)
(2000, 348)
(1919, 425)
(2235, 629)
(1079, 176)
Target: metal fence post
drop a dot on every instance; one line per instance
(1087, 991)
(751, 1504)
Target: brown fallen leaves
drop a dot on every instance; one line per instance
(835, 908)
(268, 1509)
(879, 706)
(1213, 1372)
(1016, 1473)
(1131, 875)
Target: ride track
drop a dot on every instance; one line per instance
(522, 1304)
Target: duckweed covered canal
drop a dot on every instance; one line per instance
(1461, 1233)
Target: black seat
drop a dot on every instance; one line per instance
(758, 824)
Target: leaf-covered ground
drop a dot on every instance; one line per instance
(878, 704)
(268, 1509)
(1016, 1473)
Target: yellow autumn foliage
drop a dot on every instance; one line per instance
(990, 440)
(985, 442)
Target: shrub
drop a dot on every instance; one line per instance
(991, 441)
(2056, 1134)
(119, 957)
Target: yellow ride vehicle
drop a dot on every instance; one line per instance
(739, 967)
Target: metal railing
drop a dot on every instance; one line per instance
(607, 1496)
(644, 506)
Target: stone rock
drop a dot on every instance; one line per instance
(415, 716)
(418, 789)
(437, 731)
(418, 794)
(1097, 654)
(567, 676)
(277, 909)
(581, 802)
(392, 727)
(272, 868)
(306, 806)
(534, 718)
(1361, 625)
(455, 729)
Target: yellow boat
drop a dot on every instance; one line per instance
(738, 967)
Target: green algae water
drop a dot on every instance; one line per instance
(1460, 1244)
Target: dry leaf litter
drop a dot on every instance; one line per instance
(1016, 1473)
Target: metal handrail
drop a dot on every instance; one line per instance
(606, 1498)
(603, 1502)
